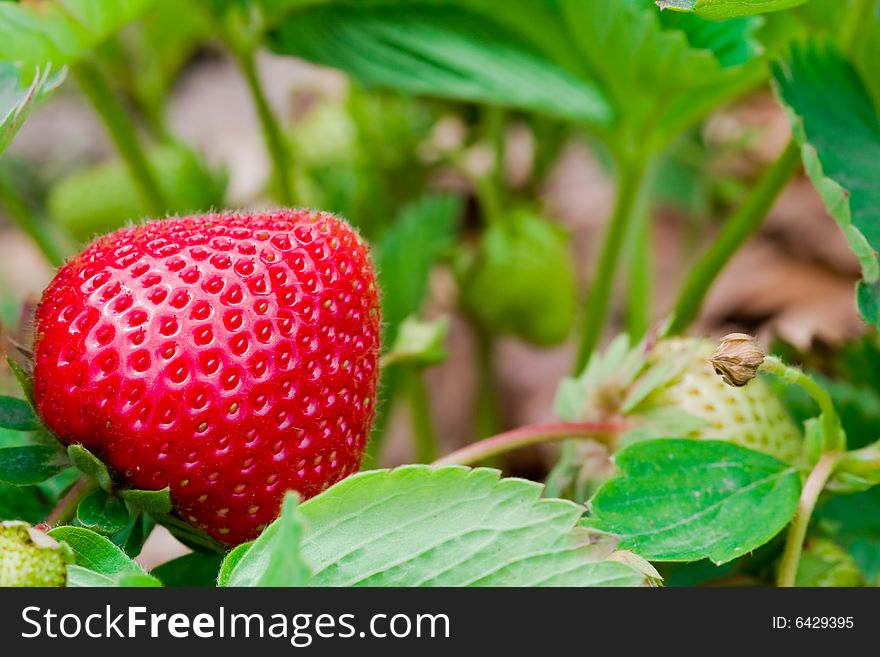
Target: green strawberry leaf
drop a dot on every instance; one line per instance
(190, 536)
(407, 252)
(24, 381)
(149, 501)
(719, 9)
(230, 562)
(98, 561)
(63, 31)
(448, 51)
(132, 537)
(853, 522)
(195, 569)
(16, 100)
(103, 513)
(838, 129)
(686, 500)
(274, 559)
(17, 414)
(33, 503)
(452, 526)
(657, 80)
(90, 465)
(31, 464)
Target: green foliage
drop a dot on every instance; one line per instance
(521, 280)
(447, 52)
(273, 559)
(31, 464)
(852, 522)
(409, 249)
(98, 561)
(685, 500)
(61, 32)
(193, 569)
(17, 100)
(184, 181)
(102, 513)
(17, 414)
(418, 343)
(719, 9)
(450, 526)
(90, 465)
(835, 123)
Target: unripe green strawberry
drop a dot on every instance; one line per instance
(751, 416)
(105, 197)
(521, 280)
(670, 389)
(826, 564)
(28, 557)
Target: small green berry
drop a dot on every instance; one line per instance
(29, 557)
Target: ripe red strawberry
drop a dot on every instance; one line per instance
(228, 357)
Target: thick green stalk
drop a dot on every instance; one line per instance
(630, 186)
(24, 219)
(420, 414)
(487, 418)
(641, 272)
(794, 543)
(278, 151)
(733, 235)
(122, 132)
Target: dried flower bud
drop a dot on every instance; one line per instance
(737, 359)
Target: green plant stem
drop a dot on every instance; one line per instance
(487, 417)
(122, 132)
(857, 26)
(530, 435)
(272, 133)
(630, 186)
(733, 235)
(389, 389)
(831, 432)
(794, 543)
(638, 316)
(30, 225)
(66, 507)
(420, 414)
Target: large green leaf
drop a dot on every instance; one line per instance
(444, 51)
(99, 562)
(837, 126)
(60, 32)
(451, 526)
(18, 99)
(728, 8)
(686, 500)
(656, 78)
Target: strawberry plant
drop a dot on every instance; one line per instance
(263, 298)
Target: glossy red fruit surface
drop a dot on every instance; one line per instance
(228, 357)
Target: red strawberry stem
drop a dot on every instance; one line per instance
(66, 507)
(532, 434)
(794, 543)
